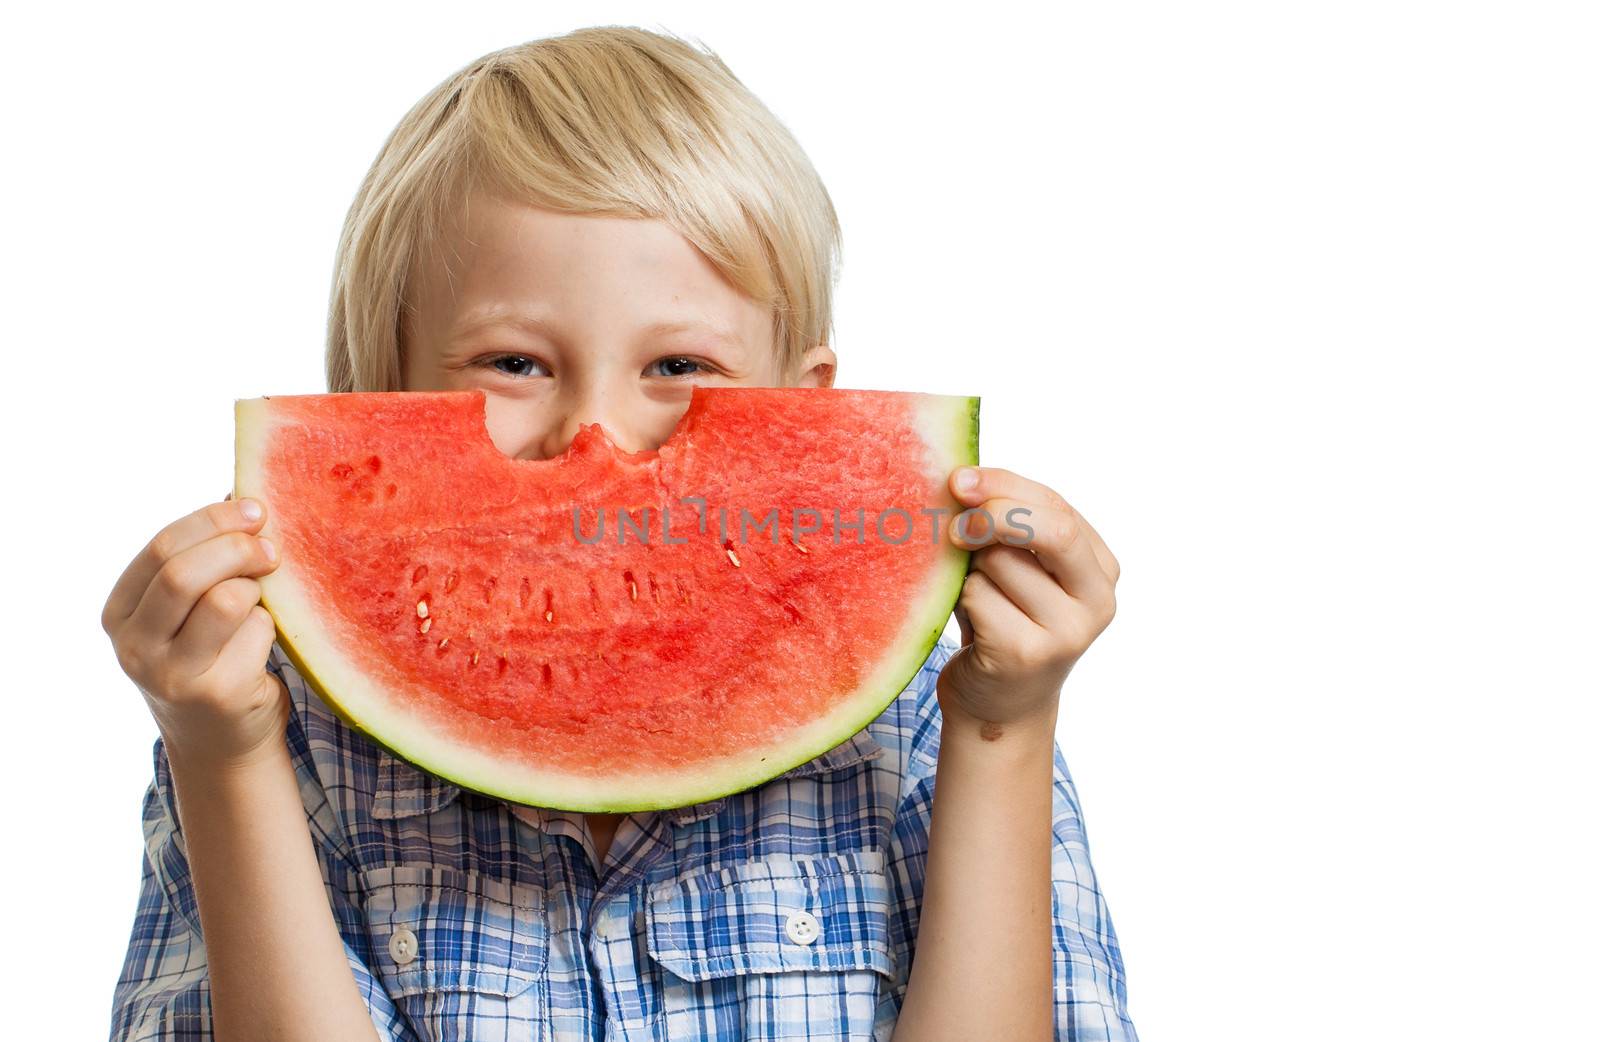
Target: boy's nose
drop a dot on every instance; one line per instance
(592, 408)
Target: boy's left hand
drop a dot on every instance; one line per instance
(1030, 606)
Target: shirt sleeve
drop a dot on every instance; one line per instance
(164, 991)
(1091, 997)
(1089, 990)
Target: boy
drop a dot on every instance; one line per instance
(584, 227)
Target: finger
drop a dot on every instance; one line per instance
(1055, 537)
(993, 482)
(213, 622)
(208, 521)
(1008, 521)
(180, 583)
(991, 614)
(1018, 575)
(998, 482)
(1102, 552)
(245, 654)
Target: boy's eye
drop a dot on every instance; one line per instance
(521, 365)
(675, 365)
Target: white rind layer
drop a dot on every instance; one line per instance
(949, 428)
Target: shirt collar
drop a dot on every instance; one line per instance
(404, 790)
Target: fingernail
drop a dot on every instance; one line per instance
(966, 479)
(250, 509)
(268, 549)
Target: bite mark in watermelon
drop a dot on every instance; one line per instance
(447, 601)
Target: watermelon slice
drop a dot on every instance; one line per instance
(604, 630)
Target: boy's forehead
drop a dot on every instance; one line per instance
(526, 267)
(540, 321)
(496, 226)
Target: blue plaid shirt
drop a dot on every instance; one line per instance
(785, 912)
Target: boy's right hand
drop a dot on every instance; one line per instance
(186, 621)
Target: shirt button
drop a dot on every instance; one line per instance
(802, 928)
(402, 945)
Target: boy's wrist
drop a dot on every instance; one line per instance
(199, 775)
(217, 752)
(1028, 731)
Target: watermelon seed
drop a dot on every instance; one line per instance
(444, 643)
(549, 606)
(633, 588)
(450, 582)
(420, 574)
(422, 608)
(426, 625)
(544, 671)
(731, 555)
(549, 616)
(797, 546)
(474, 658)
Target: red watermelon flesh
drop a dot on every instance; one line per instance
(496, 622)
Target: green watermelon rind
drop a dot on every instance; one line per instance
(921, 634)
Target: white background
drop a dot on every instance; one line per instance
(1297, 303)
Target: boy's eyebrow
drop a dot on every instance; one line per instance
(488, 318)
(535, 323)
(706, 329)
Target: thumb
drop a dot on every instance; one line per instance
(955, 676)
(964, 623)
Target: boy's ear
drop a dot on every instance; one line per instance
(816, 367)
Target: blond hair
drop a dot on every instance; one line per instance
(606, 120)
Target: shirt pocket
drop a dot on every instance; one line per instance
(777, 948)
(462, 954)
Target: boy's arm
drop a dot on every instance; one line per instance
(276, 960)
(983, 960)
(1040, 589)
(244, 872)
(1086, 975)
